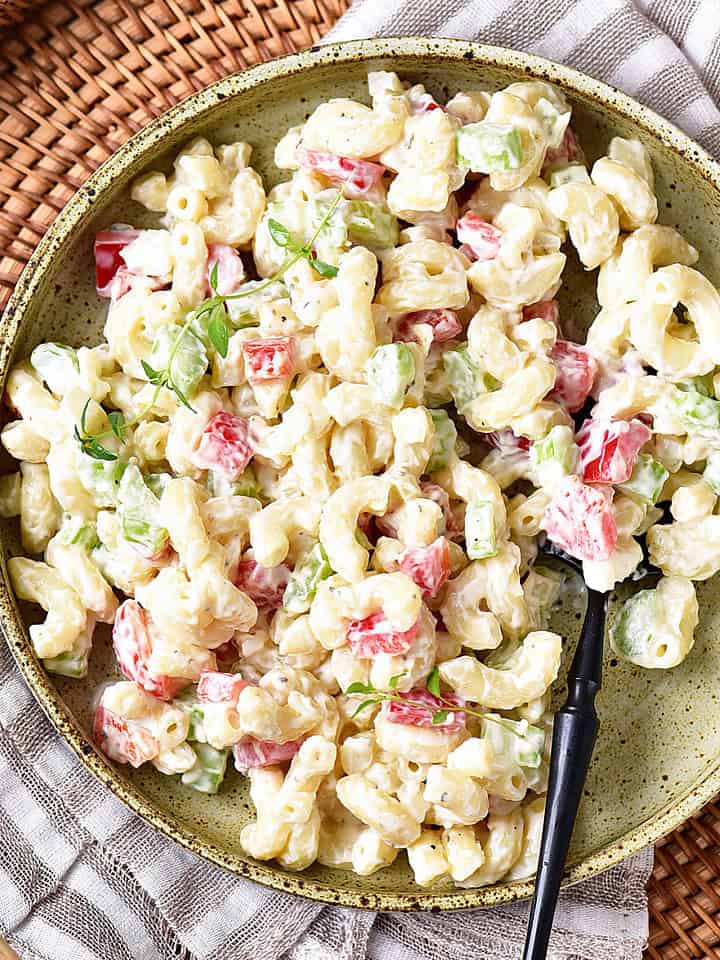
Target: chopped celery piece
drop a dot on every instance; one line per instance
(698, 413)
(306, 576)
(541, 588)
(246, 484)
(156, 482)
(554, 122)
(703, 385)
(631, 634)
(190, 705)
(390, 371)
(465, 379)
(646, 480)
(371, 225)
(443, 440)
(711, 473)
(480, 537)
(570, 173)
(208, 771)
(57, 364)
(516, 741)
(82, 533)
(243, 311)
(555, 456)
(488, 147)
(362, 539)
(101, 477)
(138, 509)
(189, 362)
(73, 663)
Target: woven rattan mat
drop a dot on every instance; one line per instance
(77, 78)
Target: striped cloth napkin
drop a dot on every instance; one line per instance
(81, 878)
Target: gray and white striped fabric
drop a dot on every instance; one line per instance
(81, 878)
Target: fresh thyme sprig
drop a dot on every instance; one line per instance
(432, 685)
(218, 332)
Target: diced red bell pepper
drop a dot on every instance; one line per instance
(543, 310)
(444, 322)
(134, 635)
(569, 151)
(422, 102)
(269, 359)
(375, 635)
(264, 585)
(359, 177)
(122, 740)
(433, 491)
(506, 441)
(423, 706)
(428, 567)
(481, 237)
(216, 687)
(609, 449)
(230, 272)
(575, 372)
(250, 752)
(108, 246)
(225, 445)
(579, 519)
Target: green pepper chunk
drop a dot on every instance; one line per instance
(443, 440)
(480, 534)
(303, 583)
(390, 371)
(208, 771)
(487, 147)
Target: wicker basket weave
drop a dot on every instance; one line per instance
(77, 78)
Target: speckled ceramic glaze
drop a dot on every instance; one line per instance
(658, 756)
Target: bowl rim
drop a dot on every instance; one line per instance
(71, 218)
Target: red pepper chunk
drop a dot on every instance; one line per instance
(575, 372)
(224, 445)
(122, 740)
(250, 752)
(108, 246)
(264, 585)
(422, 716)
(609, 449)
(481, 237)
(543, 310)
(230, 269)
(375, 635)
(358, 176)
(134, 634)
(580, 520)
(444, 322)
(215, 687)
(428, 567)
(270, 359)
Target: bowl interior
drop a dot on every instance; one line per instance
(658, 738)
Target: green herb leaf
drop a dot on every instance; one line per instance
(156, 377)
(93, 448)
(326, 270)
(359, 687)
(218, 331)
(394, 681)
(439, 717)
(82, 418)
(433, 682)
(279, 233)
(214, 276)
(363, 706)
(181, 396)
(117, 424)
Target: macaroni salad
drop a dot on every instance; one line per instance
(305, 475)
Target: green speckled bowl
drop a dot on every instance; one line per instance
(658, 757)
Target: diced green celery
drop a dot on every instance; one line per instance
(208, 772)
(554, 122)
(57, 364)
(487, 147)
(101, 478)
(157, 482)
(711, 473)
(516, 741)
(570, 173)
(703, 385)
(73, 663)
(244, 311)
(191, 706)
(138, 509)
(362, 539)
(390, 371)
(371, 225)
(190, 359)
(631, 634)
(646, 480)
(480, 535)
(245, 486)
(555, 456)
(443, 441)
(465, 379)
(698, 413)
(306, 576)
(437, 385)
(82, 533)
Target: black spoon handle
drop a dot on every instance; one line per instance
(574, 732)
